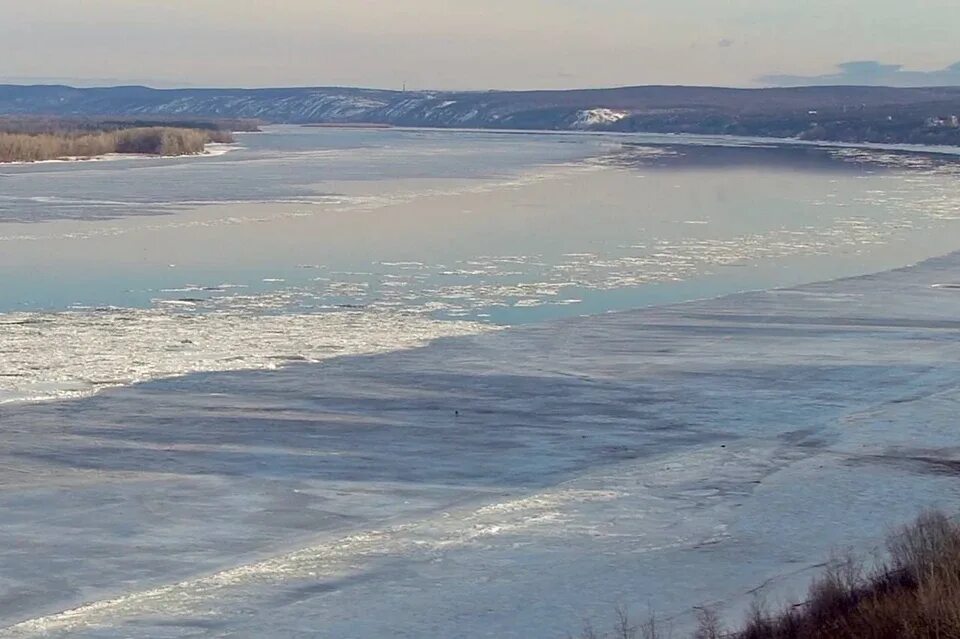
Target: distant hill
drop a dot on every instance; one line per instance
(851, 113)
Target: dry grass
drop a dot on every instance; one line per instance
(911, 593)
(34, 147)
(36, 124)
(914, 593)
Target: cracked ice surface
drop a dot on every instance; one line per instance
(661, 458)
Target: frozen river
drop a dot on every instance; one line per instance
(401, 406)
(320, 243)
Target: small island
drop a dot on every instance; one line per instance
(45, 139)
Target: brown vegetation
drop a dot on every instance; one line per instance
(32, 139)
(24, 147)
(35, 124)
(912, 593)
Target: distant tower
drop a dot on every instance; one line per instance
(404, 87)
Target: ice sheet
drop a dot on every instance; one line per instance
(508, 484)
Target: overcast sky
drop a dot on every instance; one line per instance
(473, 44)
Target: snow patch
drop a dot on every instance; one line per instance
(597, 117)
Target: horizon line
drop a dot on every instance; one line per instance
(295, 87)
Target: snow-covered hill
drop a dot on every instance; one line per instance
(847, 113)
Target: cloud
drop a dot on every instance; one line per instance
(871, 72)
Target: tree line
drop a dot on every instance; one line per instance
(39, 139)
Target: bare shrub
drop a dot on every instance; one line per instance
(708, 624)
(911, 592)
(35, 147)
(652, 629)
(920, 549)
(914, 595)
(625, 628)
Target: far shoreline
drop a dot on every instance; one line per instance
(937, 149)
(212, 150)
(668, 138)
(349, 125)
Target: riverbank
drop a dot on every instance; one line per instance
(506, 484)
(908, 590)
(28, 139)
(158, 141)
(212, 150)
(844, 114)
(670, 458)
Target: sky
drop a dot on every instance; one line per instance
(479, 44)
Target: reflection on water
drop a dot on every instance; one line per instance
(341, 233)
(284, 165)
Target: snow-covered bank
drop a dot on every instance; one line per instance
(504, 485)
(213, 149)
